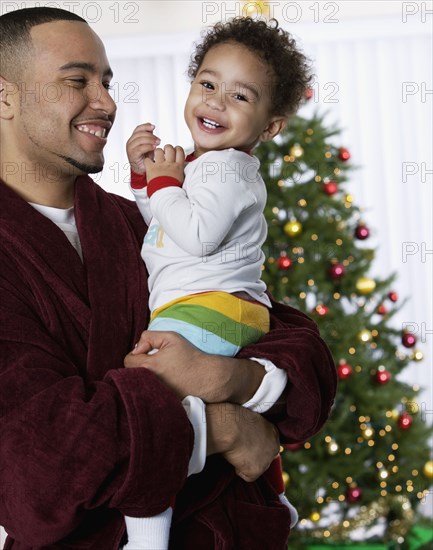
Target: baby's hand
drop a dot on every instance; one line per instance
(140, 146)
(169, 161)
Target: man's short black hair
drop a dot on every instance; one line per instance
(15, 38)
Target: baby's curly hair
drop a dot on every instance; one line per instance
(274, 46)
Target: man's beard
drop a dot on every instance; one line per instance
(84, 168)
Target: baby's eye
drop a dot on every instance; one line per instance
(240, 97)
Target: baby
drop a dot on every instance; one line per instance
(205, 212)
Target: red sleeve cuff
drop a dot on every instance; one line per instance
(161, 182)
(138, 181)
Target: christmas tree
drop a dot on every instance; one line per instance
(363, 475)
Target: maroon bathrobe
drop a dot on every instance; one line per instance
(83, 440)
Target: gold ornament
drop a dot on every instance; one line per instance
(296, 151)
(428, 469)
(395, 414)
(365, 285)
(315, 517)
(293, 228)
(365, 336)
(286, 478)
(256, 9)
(412, 407)
(417, 355)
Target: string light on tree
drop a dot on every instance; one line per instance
(365, 336)
(333, 447)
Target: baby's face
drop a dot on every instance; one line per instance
(229, 101)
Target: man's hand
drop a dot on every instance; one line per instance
(188, 371)
(169, 161)
(140, 146)
(245, 439)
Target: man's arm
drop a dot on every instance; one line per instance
(245, 439)
(188, 371)
(69, 446)
(293, 345)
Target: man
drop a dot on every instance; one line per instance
(85, 441)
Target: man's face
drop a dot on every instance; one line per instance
(65, 110)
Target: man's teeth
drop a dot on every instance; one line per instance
(210, 123)
(98, 133)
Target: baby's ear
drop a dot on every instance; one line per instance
(274, 127)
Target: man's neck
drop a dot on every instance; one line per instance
(32, 187)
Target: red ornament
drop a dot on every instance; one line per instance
(330, 187)
(293, 446)
(321, 309)
(382, 376)
(404, 421)
(309, 92)
(408, 340)
(353, 494)
(336, 271)
(343, 154)
(344, 370)
(393, 296)
(362, 232)
(382, 310)
(284, 262)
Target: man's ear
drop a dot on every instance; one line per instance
(275, 126)
(7, 91)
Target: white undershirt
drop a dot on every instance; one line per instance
(65, 220)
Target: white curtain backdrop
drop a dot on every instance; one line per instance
(374, 80)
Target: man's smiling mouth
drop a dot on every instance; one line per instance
(95, 130)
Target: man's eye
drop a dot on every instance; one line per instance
(77, 81)
(107, 86)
